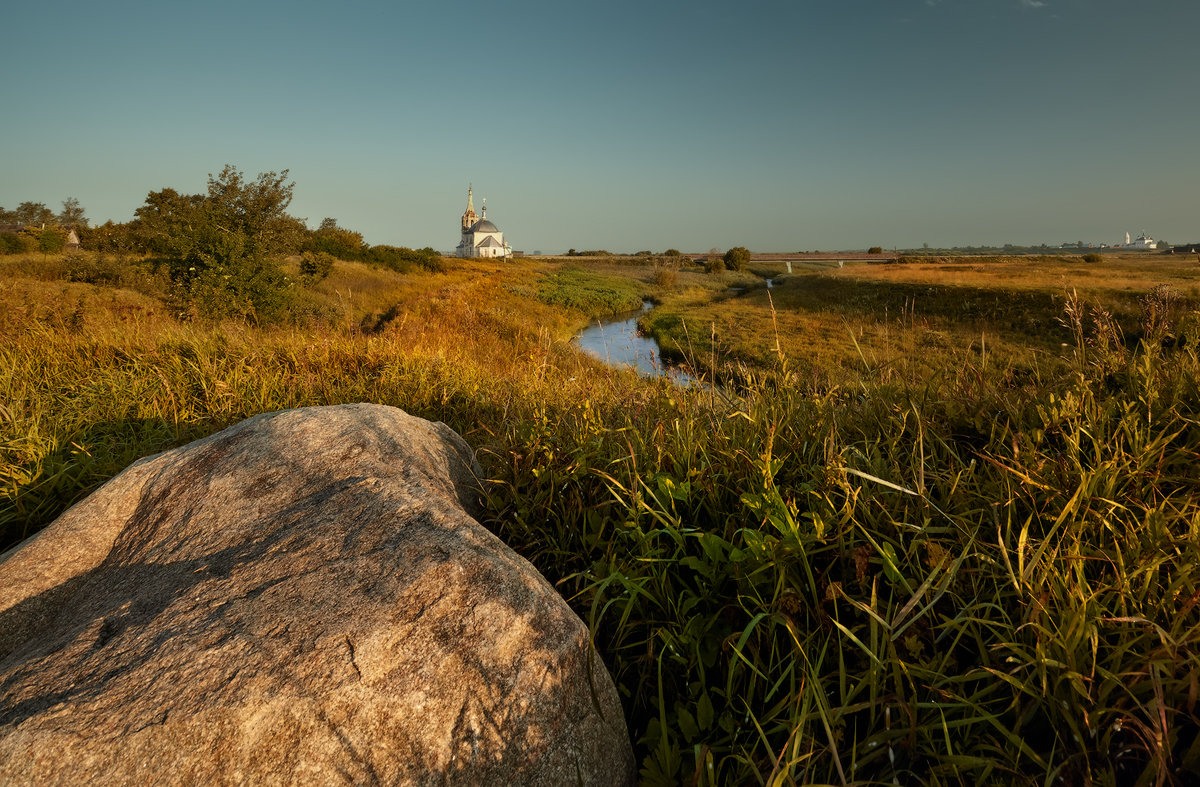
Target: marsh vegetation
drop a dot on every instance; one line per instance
(943, 529)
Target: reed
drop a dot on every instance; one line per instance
(952, 569)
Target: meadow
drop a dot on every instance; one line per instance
(938, 523)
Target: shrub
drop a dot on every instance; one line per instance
(335, 241)
(715, 265)
(255, 291)
(737, 258)
(109, 237)
(1092, 257)
(666, 276)
(222, 246)
(401, 259)
(430, 260)
(51, 241)
(10, 243)
(315, 266)
(94, 269)
(875, 250)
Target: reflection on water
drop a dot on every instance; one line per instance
(616, 341)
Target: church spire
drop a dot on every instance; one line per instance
(469, 217)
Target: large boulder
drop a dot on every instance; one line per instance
(301, 598)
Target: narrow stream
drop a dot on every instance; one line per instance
(616, 341)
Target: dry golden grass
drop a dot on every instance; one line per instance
(909, 319)
(1113, 274)
(941, 575)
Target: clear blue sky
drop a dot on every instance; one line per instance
(780, 126)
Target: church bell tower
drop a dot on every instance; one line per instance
(469, 218)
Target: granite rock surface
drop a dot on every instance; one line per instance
(303, 598)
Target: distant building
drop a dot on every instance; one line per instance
(1140, 243)
(480, 237)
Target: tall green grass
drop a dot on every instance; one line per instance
(972, 576)
(589, 292)
(958, 583)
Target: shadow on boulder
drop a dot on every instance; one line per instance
(303, 597)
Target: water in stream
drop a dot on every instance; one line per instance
(616, 341)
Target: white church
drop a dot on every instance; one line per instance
(1142, 241)
(480, 237)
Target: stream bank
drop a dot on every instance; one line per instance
(617, 342)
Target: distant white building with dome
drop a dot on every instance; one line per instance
(480, 237)
(1142, 241)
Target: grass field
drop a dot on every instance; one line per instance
(940, 525)
(915, 319)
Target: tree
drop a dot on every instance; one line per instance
(223, 246)
(255, 210)
(737, 258)
(72, 214)
(875, 250)
(332, 239)
(51, 241)
(120, 239)
(167, 223)
(34, 214)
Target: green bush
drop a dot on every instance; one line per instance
(109, 237)
(737, 258)
(51, 241)
(94, 269)
(241, 288)
(315, 266)
(10, 243)
(402, 259)
(340, 243)
(222, 246)
(1092, 257)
